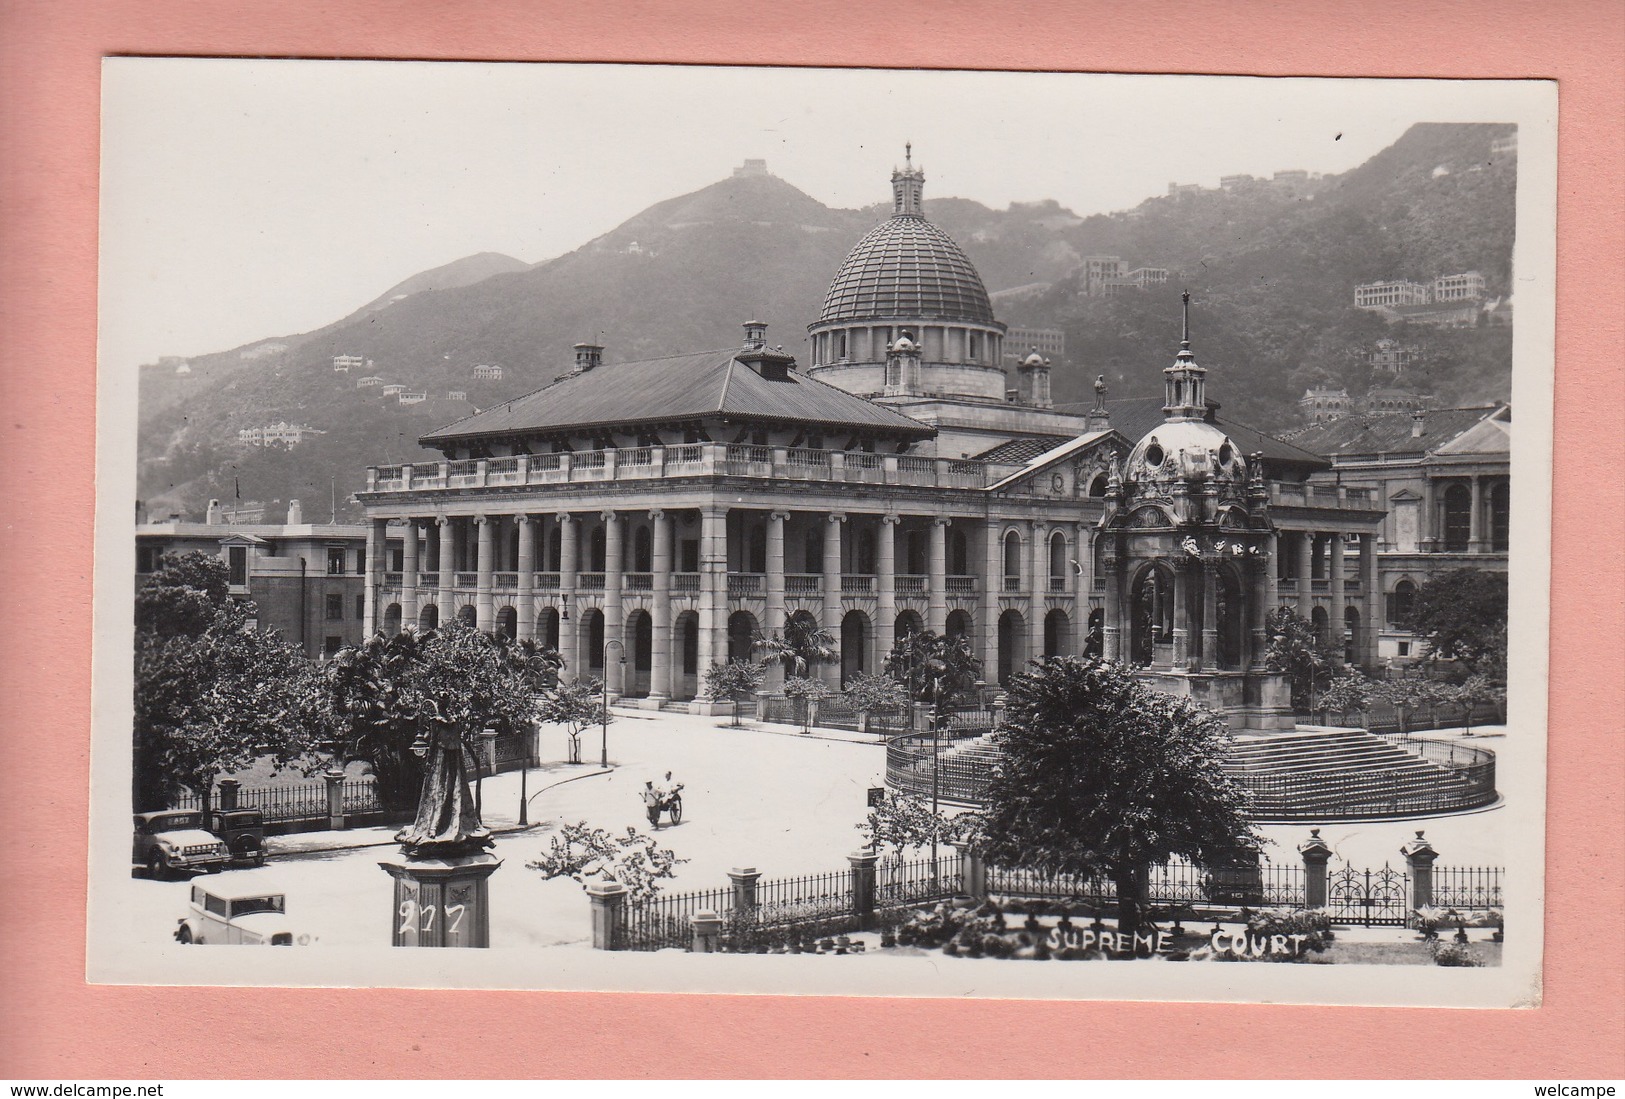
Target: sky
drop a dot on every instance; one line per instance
(244, 199)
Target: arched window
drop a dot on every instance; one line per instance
(1012, 556)
(1097, 487)
(1401, 605)
(1458, 518)
(1057, 561)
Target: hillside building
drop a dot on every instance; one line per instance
(488, 372)
(281, 433)
(1392, 356)
(393, 389)
(1503, 146)
(1323, 403)
(1467, 286)
(412, 397)
(343, 364)
(369, 381)
(306, 580)
(1377, 295)
(673, 510)
(456, 394)
(1020, 342)
(1442, 478)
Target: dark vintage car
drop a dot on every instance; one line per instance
(243, 833)
(172, 840)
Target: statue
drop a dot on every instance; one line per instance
(447, 824)
(1100, 393)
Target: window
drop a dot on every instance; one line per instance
(335, 560)
(148, 558)
(237, 565)
(1500, 517)
(335, 608)
(1404, 648)
(1458, 518)
(397, 559)
(974, 354)
(360, 606)
(331, 645)
(1401, 605)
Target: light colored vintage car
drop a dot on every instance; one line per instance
(175, 839)
(238, 910)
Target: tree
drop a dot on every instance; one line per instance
(1309, 660)
(1101, 774)
(735, 680)
(935, 669)
(905, 822)
(578, 705)
(806, 692)
(212, 694)
(1345, 693)
(802, 646)
(1462, 615)
(591, 854)
(382, 690)
(1406, 694)
(872, 694)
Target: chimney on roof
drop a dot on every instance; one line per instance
(1419, 423)
(296, 514)
(212, 515)
(755, 335)
(588, 355)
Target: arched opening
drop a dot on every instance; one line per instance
(547, 628)
(591, 634)
(1012, 561)
(1500, 517)
(1095, 644)
(1057, 633)
(428, 617)
(908, 624)
(1458, 518)
(1097, 487)
(1057, 561)
(467, 615)
(392, 619)
(1152, 622)
(1401, 605)
(642, 550)
(640, 638)
(958, 624)
(1232, 619)
(1352, 627)
(854, 645)
(742, 630)
(1012, 645)
(686, 632)
(507, 622)
(958, 553)
(1319, 621)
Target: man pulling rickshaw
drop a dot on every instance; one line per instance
(664, 798)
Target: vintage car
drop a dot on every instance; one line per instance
(176, 839)
(238, 910)
(242, 831)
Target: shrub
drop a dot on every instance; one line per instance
(1456, 954)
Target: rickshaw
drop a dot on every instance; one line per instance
(670, 802)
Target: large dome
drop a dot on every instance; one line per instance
(905, 267)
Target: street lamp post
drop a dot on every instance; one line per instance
(603, 749)
(524, 773)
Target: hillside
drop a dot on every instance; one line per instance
(1271, 272)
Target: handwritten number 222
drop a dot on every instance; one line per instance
(409, 910)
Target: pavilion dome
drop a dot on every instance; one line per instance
(906, 267)
(1185, 450)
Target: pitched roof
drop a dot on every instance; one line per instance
(703, 384)
(1064, 449)
(1023, 450)
(1390, 432)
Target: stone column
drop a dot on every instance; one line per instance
(1334, 574)
(377, 533)
(1210, 617)
(1306, 566)
(831, 673)
(483, 616)
(744, 879)
(1263, 602)
(527, 577)
(972, 873)
(445, 542)
(1428, 535)
(1116, 602)
(1316, 853)
(862, 863)
(706, 927)
(886, 590)
(1182, 626)
(660, 617)
(409, 575)
(1475, 518)
(1419, 855)
(607, 899)
(1038, 585)
(992, 581)
(569, 619)
(1372, 599)
(936, 595)
(614, 626)
(229, 788)
(713, 578)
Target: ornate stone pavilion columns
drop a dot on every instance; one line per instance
(1306, 569)
(831, 673)
(527, 577)
(1182, 618)
(1116, 602)
(713, 593)
(484, 619)
(774, 626)
(660, 616)
(1265, 594)
(377, 533)
(886, 590)
(446, 569)
(614, 670)
(409, 575)
(992, 581)
(1210, 616)
(1475, 517)
(936, 605)
(568, 634)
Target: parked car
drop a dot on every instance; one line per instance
(242, 831)
(176, 839)
(238, 910)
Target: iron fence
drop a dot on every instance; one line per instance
(664, 921)
(918, 881)
(1467, 888)
(1387, 718)
(1177, 884)
(295, 802)
(361, 796)
(811, 897)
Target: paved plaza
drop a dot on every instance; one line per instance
(762, 796)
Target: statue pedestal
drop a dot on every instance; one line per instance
(441, 901)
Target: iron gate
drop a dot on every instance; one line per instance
(1371, 898)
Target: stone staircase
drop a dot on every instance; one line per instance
(1323, 773)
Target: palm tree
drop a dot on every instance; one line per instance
(803, 644)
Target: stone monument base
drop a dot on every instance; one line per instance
(441, 901)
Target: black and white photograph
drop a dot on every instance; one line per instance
(826, 532)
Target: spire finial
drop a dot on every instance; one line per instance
(908, 154)
(1185, 324)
